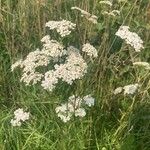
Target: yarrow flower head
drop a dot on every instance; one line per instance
(29, 65)
(74, 68)
(89, 100)
(118, 90)
(20, 116)
(73, 107)
(63, 27)
(146, 65)
(90, 50)
(131, 38)
(63, 112)
(128, 89)
(87, 15)
(50, 80)
(66, 111)
(52, 48)
(67, 64)
(80, 112)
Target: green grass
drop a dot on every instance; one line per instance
(115, 122)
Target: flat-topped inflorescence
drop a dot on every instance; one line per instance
(63, 27)
(128, 89)
(146, 65)
(67, 64)
(131, 38)
(74, 68)
(20, 116)
(90, 50)
(74, 106)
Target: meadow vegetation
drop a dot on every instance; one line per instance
(116, 121)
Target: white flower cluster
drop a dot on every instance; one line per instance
(146, 65)
(74, 107)
(74, 68)
(33, 77)
(63, 27)
(89, 100)
(106, 2)
(87, 15)
(90, 50)
(51, 50)
(128, 89)
(131, 38)
(50, 80)
(118, 90)
(29, 65)
(20, 116)
(73, 65)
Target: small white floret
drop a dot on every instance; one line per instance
(15, 123)
(19, 117)
(89, 100)
(63, 27)
(130, 89)
(80, 112)
(90, 50)
(118, 90)
(131, 38)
